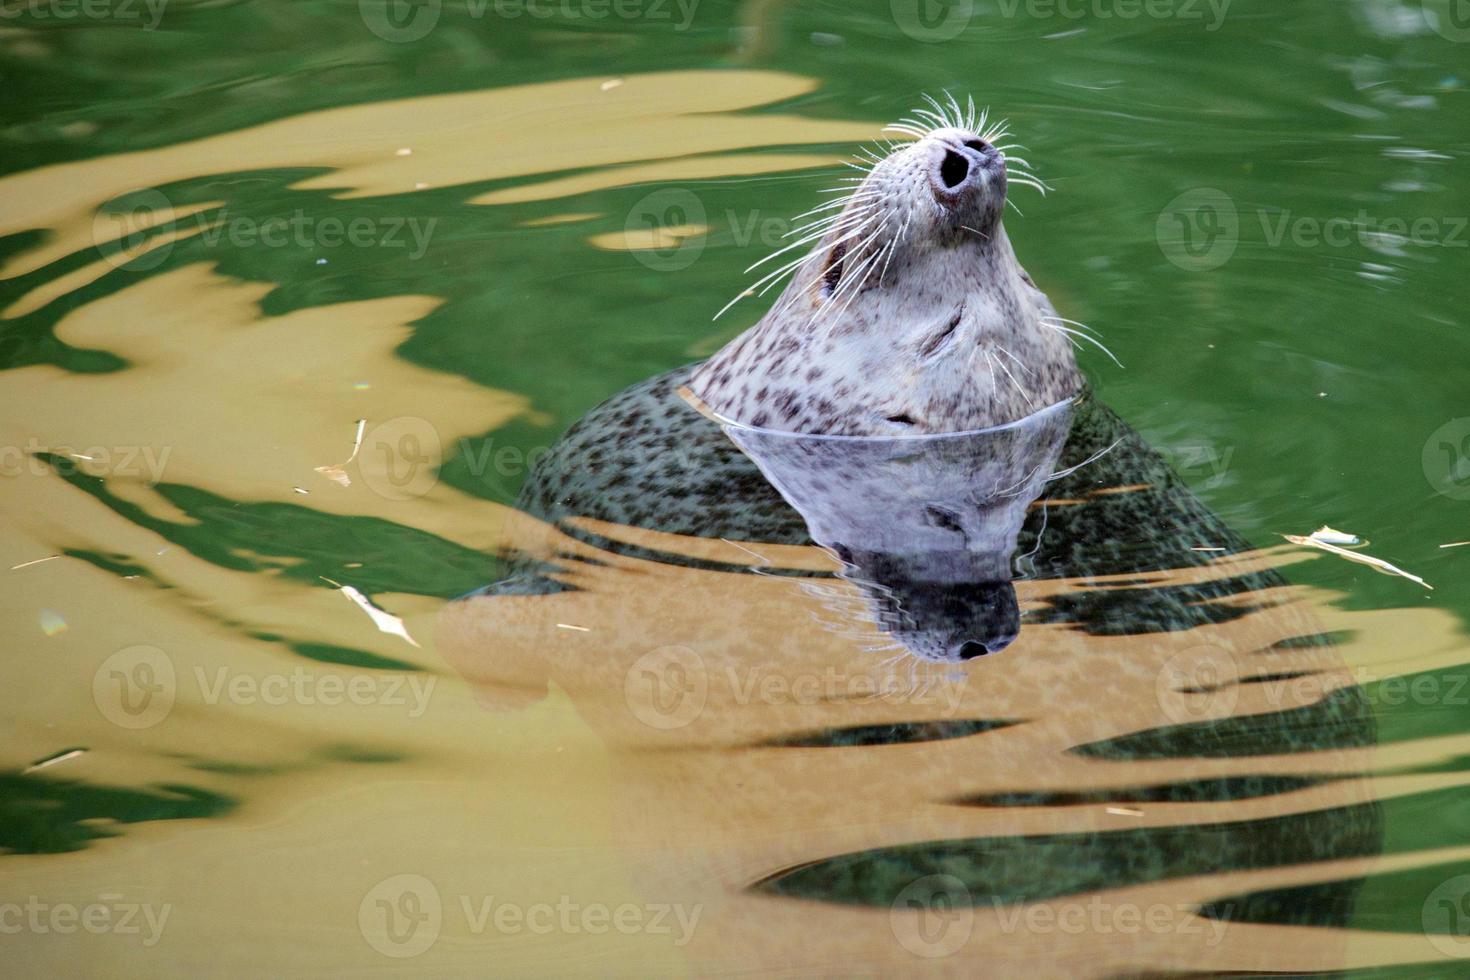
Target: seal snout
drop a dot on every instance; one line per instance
(962, 166)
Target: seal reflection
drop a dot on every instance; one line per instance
(926, 527)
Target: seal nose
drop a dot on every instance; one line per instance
(960, 167)
(971, 649)
(953, 169)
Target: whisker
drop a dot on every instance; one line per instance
(1024, 394)
(1051, 322)
(1015, 360)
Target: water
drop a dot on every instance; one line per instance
(229, 232)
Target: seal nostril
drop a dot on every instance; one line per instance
(954, 169)
(979, 146)
(969, 650)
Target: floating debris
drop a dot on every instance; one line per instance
(610, 84)
(1377, 564)
(1330, 535)
(338, 472)
(37, 561)
(1124, 811)
(404, 151)
(300, 490)
(569, 626)
(1206, 549)
(52, 622)
(52, 760)
(384, 621)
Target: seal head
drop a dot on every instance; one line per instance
(910, 314)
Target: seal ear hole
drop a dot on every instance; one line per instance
(833, 275)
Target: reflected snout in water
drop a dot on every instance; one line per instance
(926, 527)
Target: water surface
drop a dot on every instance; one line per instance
(229, 232)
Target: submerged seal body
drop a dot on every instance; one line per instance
(911, 314)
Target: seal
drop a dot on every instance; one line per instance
(910, 321)
(910, 314)
(904, 457)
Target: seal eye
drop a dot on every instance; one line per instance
(833, 275)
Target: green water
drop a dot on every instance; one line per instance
(1261, 208)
